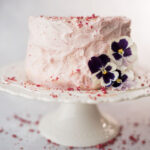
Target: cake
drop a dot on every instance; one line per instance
(80, 52)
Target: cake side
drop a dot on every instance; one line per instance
(59, 48)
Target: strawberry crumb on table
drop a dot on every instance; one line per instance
(20, 119)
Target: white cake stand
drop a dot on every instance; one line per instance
(78, 121)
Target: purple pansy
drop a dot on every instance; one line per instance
(122, 78)
(121, 49)
(103, 69)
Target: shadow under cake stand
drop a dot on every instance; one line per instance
(78, 121)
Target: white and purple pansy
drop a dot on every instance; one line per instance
(121, 78)
(103, 69)
(123, 51)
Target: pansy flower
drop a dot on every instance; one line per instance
(123, 51)
(103, 70)
(121, 78)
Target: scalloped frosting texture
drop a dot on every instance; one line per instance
(59, 48)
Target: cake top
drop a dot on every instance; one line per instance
(81, 21)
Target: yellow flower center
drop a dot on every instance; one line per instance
(120, 51)
(104, 71)
(118, 80)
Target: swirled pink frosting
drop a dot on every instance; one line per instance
(59, 48)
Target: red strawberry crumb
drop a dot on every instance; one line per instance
(54, 95)
(98, 94)
(136, 124)
(70, 94)
(86, 23)
(38, 85)
(70, 89)
(1, 130)
(78, 88)
(103, 89)
(99, 146)
(38, 132)
(21, 124)
(48, 141)
(124, 142)
(69, 21)
(21, 148)
(11, 78)
(31, 130)
(142, 84)
(57, 78)
(22, 120)
(14, 136)
(70, 147)
(143, 142)
(80, 25)
(37, 122)
(91, 27)
(78, 70)
(133, 139)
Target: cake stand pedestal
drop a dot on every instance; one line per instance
(77, 124)
(78, 121)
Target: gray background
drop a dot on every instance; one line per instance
(13, 42)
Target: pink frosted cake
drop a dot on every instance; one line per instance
(80, 52)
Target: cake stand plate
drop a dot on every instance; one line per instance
(78, 121)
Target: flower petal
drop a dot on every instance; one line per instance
(116, 84)
(127, 52)
(110, 75)
(123, 43)
(104, 59)
(117, 56)
(106, 79)
(116, 75)
(119, 73)
(124, 78)
(113, 66)
(99, 75)
(108, 68)
(106, 84)
(115, 46)
(94, 64)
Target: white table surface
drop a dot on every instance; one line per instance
(28, 138)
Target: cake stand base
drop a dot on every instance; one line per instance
(78, 125)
